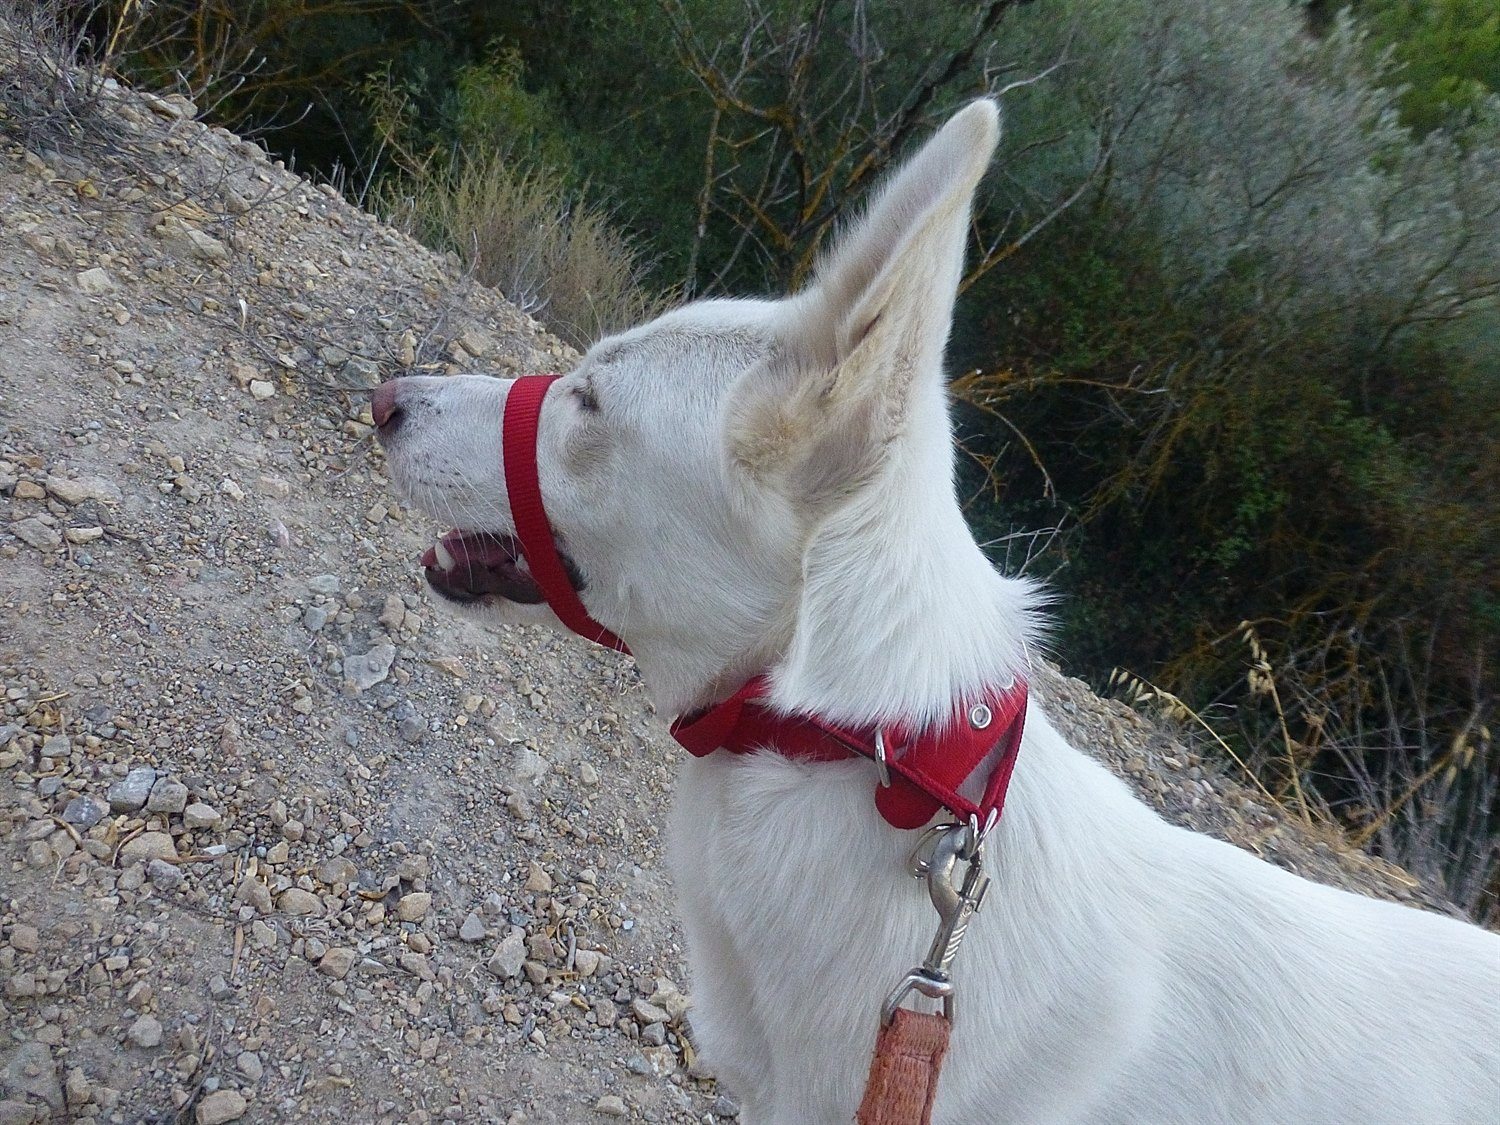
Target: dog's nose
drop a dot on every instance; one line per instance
(385, 407)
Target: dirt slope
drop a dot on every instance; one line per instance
(280, 840)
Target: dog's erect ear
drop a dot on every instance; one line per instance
(864, 343)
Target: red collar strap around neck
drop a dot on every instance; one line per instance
(926, 769)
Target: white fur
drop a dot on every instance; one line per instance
(768, 486)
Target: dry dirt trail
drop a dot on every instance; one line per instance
(279, 840)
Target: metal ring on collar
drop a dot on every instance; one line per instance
(880, 760)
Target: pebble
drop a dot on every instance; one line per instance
(34, 533)
(25, 938)
(337, 962)
(260, 389)
(84, 811)
(509, 956)
(164, 875)
(199, 815)
(250, 1066)
(295, 900)
(167, 796)
(472, 929)
(611, 1105)
(148, 846)
(725, 1106)
(413, 907)
(96, 282)
(145, 1032)
(337, 869)
(368, 669)
(647, 1013)
(129, 794)
(537, 880)
(221, 1106)
(326, 584)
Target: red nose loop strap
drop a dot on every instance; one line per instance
(523, 411)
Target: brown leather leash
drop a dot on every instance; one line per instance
(903, 1081)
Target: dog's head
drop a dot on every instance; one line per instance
(689, 465)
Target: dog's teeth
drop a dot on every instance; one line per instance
(444, 558)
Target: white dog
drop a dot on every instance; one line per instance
(765, 488)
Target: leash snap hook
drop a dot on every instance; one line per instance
(956, 898)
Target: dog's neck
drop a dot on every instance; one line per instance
(899, 612)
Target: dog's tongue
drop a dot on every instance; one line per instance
(466, 565)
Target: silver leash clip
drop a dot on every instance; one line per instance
(956, 897)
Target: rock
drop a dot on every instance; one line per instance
(166, 876)
(250, 1066)
(189, 241)
(537, 880)
(337, 962)
(167, 796)
(670, 999)
(29, 1069)
(337, 869)
(365, 671)
(199, 815)
(253, 893)
(129, 794)
(325, 584)
(509, 956)
(149, 846)
(78, 1090)
(725, 1106)
(96, 282)
(588, 774)
(473, 928)
(84, 812)
(34, 533)
(78, 536)
(314, 617)
(646, 1012)
(75, 492)
(413, 907)
(221, 1106)
(586, 962)
(260, 390)
(393, 612)
(145, 1032)
(24, 938)
(529, 765)
(611, 1105)
(295, 900)
(412, 728)
(654, 1034)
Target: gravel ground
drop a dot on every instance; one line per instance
(281, 842)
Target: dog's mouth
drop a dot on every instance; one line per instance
(471, 566)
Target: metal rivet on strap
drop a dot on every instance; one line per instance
(980, 716)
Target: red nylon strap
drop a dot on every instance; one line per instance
(523, 411)
(926, 771)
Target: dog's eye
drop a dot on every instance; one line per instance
(586, 400)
